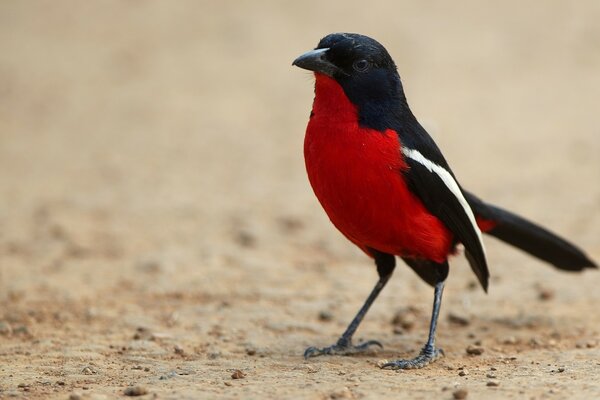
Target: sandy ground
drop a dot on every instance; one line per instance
(157, 228)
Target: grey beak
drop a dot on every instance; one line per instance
(315, 60)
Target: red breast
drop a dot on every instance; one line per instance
(356, 173)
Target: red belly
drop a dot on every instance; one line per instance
(356, 175)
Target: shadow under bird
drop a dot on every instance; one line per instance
(386, 186)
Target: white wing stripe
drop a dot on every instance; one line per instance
(450, 183)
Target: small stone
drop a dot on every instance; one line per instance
(245, 239)
(458, 319)
(88, 371)
(463, 372)
(227, 383)
(325, 315)
(75, 396)
(237, 374)
(381, 363)
(343, 393)
(405, 318)
(250, 351)
(178, 350)
(490, 375)
(5, 328)
(460, 394)
(135, 391)
(21, 330)
(561, 369)
(311, 369)
(510, 340)
(398, 330)
(545, 294)
(591, 344)
(290, 224)
(535, 342)
(474, 350)
(492, 383)
(142, 333)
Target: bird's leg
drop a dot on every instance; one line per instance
(385, 266)
(429, 353)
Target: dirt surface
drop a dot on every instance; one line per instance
(158, 233)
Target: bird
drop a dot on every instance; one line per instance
(386, 186)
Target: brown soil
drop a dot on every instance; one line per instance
(157, 231)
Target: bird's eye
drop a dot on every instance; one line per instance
(361, 65)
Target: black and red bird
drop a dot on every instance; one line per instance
(386, 186)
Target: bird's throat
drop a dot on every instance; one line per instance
(331, 101)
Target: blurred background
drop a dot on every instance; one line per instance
(151, 166)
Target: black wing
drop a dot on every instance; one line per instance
(437, 188)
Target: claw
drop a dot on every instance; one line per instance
(427, 356)
(341, 348)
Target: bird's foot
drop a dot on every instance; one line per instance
(343, 347)
(428, 355)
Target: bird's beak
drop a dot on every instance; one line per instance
(315, 60)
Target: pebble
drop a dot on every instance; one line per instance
(474, 350)
(510, 340)
(405, 318)
(290, 224)
(545, 294)
(178, 350)
(21, 330)
(245, 239)
(534, 342)
(381, 363)
(325, 316)
(5, 328)
(88, 371)
(237, 374)
(490, 375)
(492, 383)
(343, 393)
(460, 394)
(135, 391)
(311, 369)
(250, 351)
(75, 396)
(458, 319)
(464, 372)
(142, 333)
(561, 369)
(24, 386)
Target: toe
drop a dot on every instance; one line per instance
(311, 352)
(366, 345)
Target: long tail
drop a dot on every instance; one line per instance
(528, 236)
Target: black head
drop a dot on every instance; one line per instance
(364, 69)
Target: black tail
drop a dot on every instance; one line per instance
(530, 237)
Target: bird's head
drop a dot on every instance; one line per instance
(361, 66)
